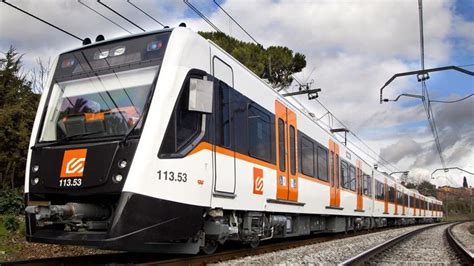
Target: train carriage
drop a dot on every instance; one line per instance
(162, 142)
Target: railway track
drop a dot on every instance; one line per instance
(427, 245)
(463, 252)
(228, 252)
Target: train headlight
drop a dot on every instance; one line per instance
(35, 168)
(122, 164)
(118, 178)
(35, 181)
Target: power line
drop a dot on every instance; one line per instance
(357, 137)
(201, 15)
(42, 20)
(454, 101)
(95, 11)
(130, 2)
(120, 15)
(248, 34)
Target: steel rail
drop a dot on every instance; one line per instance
(227, 253)
(466, 255)
(365, 256)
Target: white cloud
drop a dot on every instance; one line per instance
(353, 47)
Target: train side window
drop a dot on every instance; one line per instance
(259, 134)
(223, 121)
(367, 185)
(379, 190)
(184, 125)
(322, 164)
(307, 157)
(292, 150)
(345, 180)
(391, 194)
(281, 144)
(352, 173)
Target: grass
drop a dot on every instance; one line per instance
(9, 241)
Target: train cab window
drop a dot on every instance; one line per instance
(345, 178)
(259, 127)
(307, 157)
(223, 123)
(323, 164)
(352, 173)
(292, 150)
(281, 145)
(184, 125)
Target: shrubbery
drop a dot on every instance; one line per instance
(10, 222)
(11, 201)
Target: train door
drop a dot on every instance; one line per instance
(335, 194)
(385, 205)
(223, 152)
(286, 130)
(396, 200)
(360, 185)
(404, 202)
(414, 205)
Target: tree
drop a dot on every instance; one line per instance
(276, 63)
(17, 112)
(464, 183)
(427, 189)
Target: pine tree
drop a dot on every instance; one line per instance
(276, 63)
(464, 183)
(17, 111)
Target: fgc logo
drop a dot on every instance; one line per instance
(74, 162)
(257, 181)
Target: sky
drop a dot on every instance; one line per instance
(352, 48)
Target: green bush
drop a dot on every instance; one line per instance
(11, 223)
(11, 202)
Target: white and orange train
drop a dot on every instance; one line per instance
(162, 142)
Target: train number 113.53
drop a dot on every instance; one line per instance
(172, 176)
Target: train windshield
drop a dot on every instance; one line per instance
(102, 91)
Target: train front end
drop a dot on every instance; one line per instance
(86, 132)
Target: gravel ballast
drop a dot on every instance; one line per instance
(332, 252)
(426, 248)
(464, 233)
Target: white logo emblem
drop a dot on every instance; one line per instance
(75, 165)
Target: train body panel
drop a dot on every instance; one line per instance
(193, 149)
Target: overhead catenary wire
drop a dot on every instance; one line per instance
(103, 16)
(120, 15)
(42, 20)
(146, 14)
(201, 15)
(235, 21)
(453, 101)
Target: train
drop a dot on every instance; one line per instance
(163, 142)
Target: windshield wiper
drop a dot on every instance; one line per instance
(61, 140)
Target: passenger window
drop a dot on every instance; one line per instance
(345, 175)
(259, 134)
(184, 125)
(352, 174)
(322, 164)
(292, 151)
(367, 185)
(281, 144)
(307, 158)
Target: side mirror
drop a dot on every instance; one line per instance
(200, 95)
